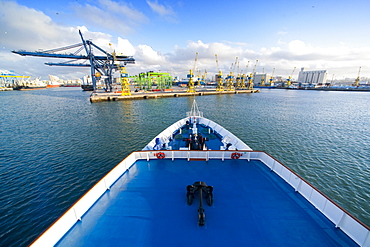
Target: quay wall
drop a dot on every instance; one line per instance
(101, 97)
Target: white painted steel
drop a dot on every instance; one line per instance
(353, 228)
(166, 134)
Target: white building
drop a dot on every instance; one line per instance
(257, 79)
(315, 77)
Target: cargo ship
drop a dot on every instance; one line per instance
(197, 184)
(29, 85)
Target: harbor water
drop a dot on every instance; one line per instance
(55, 144)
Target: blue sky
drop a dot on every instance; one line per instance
(165, 35)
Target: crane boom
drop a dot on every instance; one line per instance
(255, 66)
(218, 77)
(218, 67)
(289, 80)
(195, 62)
(246, 70)
(191, 87)
(357, 81)
(99, 65)
(272, 76)
(236, 61)
(263, 78)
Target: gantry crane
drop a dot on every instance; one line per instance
(250, 78)
(230, 77)
(262, 84)
(191, 87)
(199, 78)
(101, 65)
(219, 79)
(289, 80)
(272, 77)
(204, 77)
(244, 76)
(238, 82)
(357, 81)
(125, 85)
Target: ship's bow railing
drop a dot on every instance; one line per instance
(194, 112)
(359, 232)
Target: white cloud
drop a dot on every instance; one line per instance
(26, 28)
(110, 15)
(162, 10)
(298, 47)
(126, 11)
(282, 33)
(125, 47)
(147, 55)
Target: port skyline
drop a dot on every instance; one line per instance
(164, 36)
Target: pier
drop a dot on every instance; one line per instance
(101, 97)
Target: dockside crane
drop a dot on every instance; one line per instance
(272, 77)
(230, 77)
(250, 78)
(101, 65)
(289, 80)
(219, 79)
(357, 81)
(199, 78)
(244, 77)
(191, 87)
(263, 78)
(125, 85)
(238, 83)
(204, 77)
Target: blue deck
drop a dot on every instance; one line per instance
(252, 207)
(213, 139)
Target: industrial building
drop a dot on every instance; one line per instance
(315, 78)
(261, 79)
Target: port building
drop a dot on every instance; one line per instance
(312, 77)
(258, 78)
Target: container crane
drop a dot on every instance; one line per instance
(191, 87)
(289, 80)
(219, 79)
(357, 81)
(101, 65)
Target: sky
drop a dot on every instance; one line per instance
(165, 36)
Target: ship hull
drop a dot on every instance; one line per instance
(52, 86)
(87, 87)
(28, 88)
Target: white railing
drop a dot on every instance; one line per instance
(167, 133)
(343, 220)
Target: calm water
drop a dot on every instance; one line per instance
(55, 144)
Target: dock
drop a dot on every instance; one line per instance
(101, 97)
